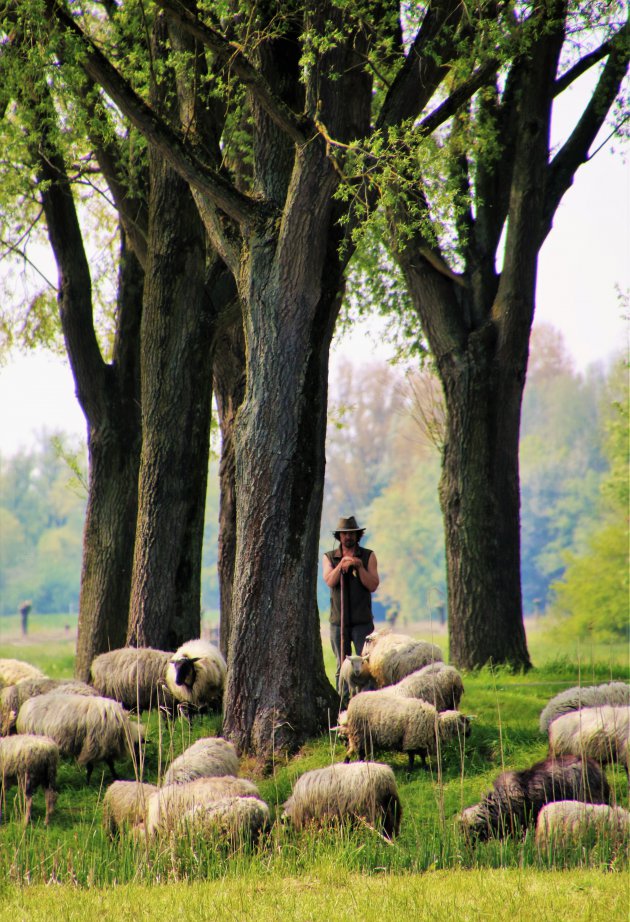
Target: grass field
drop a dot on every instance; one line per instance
(73, 870)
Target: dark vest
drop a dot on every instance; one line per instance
(358, 599)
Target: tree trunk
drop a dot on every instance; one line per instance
(177, 330)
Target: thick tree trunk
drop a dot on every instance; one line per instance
(177, 330)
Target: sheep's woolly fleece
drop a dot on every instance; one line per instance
(391, 656)
(167, 806)
(616, 694)
(13, 696)
(15, 670)
(134, 676)
(571, 822)
(437, 683)
(209, 757)
(196, 674)
(30, 761)
(603, 733)
(125, 804)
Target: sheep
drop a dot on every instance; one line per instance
(210, 757)
(236, 819)
(89, 729)
(616, 694)
(168, 804)
(125, 804)
(380, 721)
(570, 822)
(134, 676)
(354, 676)
(603, 733)
(30, 761)
(517, 797)
(196, 674)
(391, 656)
(13, 696)
(346, 792)
(14, 670)
(437, 683)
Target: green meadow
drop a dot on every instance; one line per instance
(73, 870)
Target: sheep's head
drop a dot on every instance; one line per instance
(474, 823)
(452, 723)
(185, 672)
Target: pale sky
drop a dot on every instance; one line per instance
(585, 259)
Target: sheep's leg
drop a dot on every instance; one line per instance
(28, 798)
(51, 798)
(89, 768)
(112, 768)
(410, 757)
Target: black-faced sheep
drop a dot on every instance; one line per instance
(380, 721)
(134, 676)
(391, 656)
(437, 683)
(603, 733)
(196, 674)
(572, 822)
(13, 696)
(88, 729)
(30, 761)
(211, 757)
(169, 804)
(15, 670)
(617, 694)
(347, 793)
(518, 796)
(125, 804)
(354, 677)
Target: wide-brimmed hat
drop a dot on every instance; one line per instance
(349, 524)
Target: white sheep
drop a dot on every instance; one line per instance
(602, 733)
(380, 721)
(354, 676)
(196, 674)
(14, 670)
(88, 729)
(134, 676)
(234, 819)
(168, 804)
(210, 757)
(391, 656)
(616, 694)
(30, 761)
(13, 696)
(437, 683)
(571, 822)
(363, 791)
(125, 804)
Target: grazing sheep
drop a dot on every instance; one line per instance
(89, 729)
(346, 792)
(31, 761)
(125, 804)
(13, 696)
(134, 676)
(617, 694)
(168, 804)
(196, 674)
(235, 819)
(14, 670)
(354, 677)
(571, 822)
(211, 757)
(380, 721)
(603, 733)
(391, 656)
(518, 796)
(437, 683)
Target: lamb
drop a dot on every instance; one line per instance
(211, 757)
(391, 656)
(617, 694)
(381, 721)
(134, 676)
(196, 674)
(518, 797)
(354, 676)
(169, 804)
(125, 804)
(570, 822)
(603, 733)
(437, 683)
(13, 696)
(31, 761)
(360, 791)
(87, 728)
(14, 670)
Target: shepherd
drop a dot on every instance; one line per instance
(351, 574)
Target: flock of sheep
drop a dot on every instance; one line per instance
(401, 698)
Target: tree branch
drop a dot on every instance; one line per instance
(584, 64)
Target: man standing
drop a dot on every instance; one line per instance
(357, 567)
